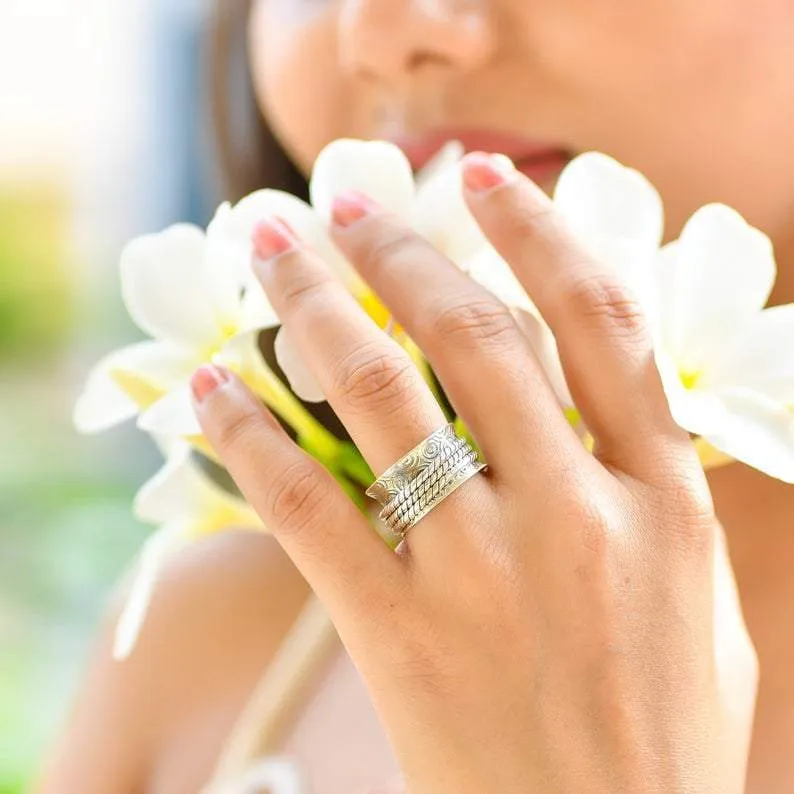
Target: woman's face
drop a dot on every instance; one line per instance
(697, 94)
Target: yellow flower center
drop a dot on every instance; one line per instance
(690, 379)
(221, 518)
(140, 391)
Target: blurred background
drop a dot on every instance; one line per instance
(103, 136)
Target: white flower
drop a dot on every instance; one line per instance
(727, 364)
(433, 205)
(614, 211)
(186, 504)
(177, 290)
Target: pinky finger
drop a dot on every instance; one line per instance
(343, 559)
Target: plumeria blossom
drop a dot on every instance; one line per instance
(179, 292)
(186, 504)
(727, 363)
(432, 204)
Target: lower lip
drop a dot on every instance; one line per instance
(544, 168)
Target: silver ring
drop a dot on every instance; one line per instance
(409, 489)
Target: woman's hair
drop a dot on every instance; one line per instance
(250, 157)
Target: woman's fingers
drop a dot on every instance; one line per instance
(600, 328)
(369, 380)
(331, 543)
(481, 356)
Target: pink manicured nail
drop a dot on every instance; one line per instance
(483, 172)
(351, 207)
(272, 237)
(206, 379)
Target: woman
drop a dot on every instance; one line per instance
(554, 625)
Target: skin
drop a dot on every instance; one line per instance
(699, 98)
(626, 666)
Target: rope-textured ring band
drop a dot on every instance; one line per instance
(408, 490)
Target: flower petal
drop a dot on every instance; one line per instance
(758, 432)
(162, 545)
(544, 346)
(695, 410)
(172, 415)
(441, 215)
(102, 404)
(447, 156)
(243, 355)
(724, 272)
(615, 210)
(231, 231)
(301, 379)
(760, 357)
(228, 265)
(165, 287)
(226, 511)
(175, 492)
(377, 168)
(127, 380)
(256, 311)
(488, 269)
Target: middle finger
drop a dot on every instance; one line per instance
(367, 377)
(482, 357)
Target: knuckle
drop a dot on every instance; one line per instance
(601, 301)
(238, 429)
(302, 287)
(389, 246)
(297, 497)
(375, 378)
(690, 518)
(591, 528)
(474, 323)
(523, 220)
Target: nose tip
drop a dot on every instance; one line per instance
(388, 40)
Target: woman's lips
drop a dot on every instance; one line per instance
(541, 162)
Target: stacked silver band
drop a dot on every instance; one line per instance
(423, 478)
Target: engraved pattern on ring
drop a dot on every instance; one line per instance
(458, 451)
(411, 465)
(438, 495)
(443, 472)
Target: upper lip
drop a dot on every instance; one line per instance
(420, 148)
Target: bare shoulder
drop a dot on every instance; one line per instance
(157, 721)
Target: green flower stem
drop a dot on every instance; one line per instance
(353, 491)
(338, 456)
(353, 464)
(462, 430)
(315, 438)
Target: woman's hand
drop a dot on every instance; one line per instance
(554, 625)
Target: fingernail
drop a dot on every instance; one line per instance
(206, 379)
(483, 172)
(350, 207)
(272, 237)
